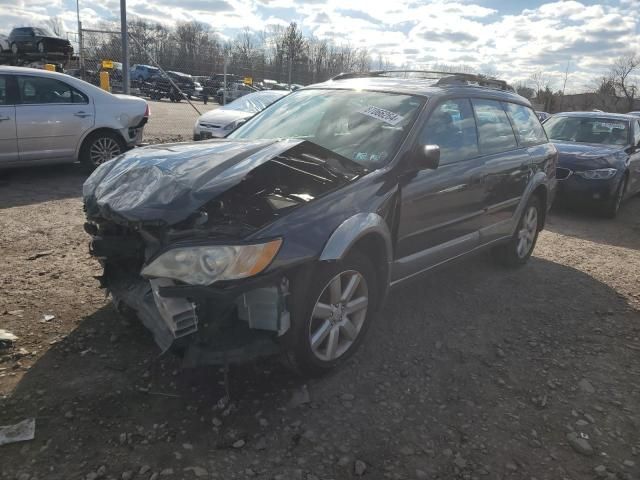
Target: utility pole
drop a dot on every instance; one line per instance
(224, 89)
(125, 46)
(80, 62)
(290, 62)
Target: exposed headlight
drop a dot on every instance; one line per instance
(230, 126)
(203, 265)
(600, 174)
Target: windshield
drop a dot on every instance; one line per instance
(607, 131)
(253, 102)
(366, 127)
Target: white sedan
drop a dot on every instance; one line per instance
(220, 122)
(48, 117)
(4, 43)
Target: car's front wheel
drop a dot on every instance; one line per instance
(330, 318)
(520, 247)
(100, 147)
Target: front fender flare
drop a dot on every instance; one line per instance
(353, 229)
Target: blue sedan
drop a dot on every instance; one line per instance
(599, 158)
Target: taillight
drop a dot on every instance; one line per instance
(147, 112)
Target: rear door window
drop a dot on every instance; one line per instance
(452, 127)
(526, 124)
(495, 134)
(41, 90)
(636, 137)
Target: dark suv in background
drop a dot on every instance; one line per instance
(288, 234)
(38, 40)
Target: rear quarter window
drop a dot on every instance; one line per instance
(526, 124)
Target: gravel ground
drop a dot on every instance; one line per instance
(473, 372)
(173, 122)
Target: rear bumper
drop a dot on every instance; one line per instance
(133, 135)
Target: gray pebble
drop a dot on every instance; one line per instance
(579, 444)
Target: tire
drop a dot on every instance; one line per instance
(613, 206)
(40, 47)
(14, 48)
(518, 250)
(337, 337)
(100, 147)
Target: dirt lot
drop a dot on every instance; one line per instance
(474, 372)
(173, 122)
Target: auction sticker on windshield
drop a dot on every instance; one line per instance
(381, 114)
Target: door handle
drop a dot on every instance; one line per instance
(4, 118)
(82, 114)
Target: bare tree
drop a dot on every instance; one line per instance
(540, 82)
(523, 90)
(566, 77)
(55, 25)
(622, 74)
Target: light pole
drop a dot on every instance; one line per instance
(125, 46)
(81, 63)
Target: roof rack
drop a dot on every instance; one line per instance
(443, 78)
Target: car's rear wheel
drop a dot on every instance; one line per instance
(613, 206)
(100, 147)
(520, 247)
(331, 316)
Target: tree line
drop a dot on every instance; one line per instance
(279, 53)
(616, 90)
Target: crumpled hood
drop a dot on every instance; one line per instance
(165, 184)
(581, 156)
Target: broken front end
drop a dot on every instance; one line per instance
(180, 232)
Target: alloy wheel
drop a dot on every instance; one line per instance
(338, 315)
(103, 149)
(527, 232)
(14, 48)
(40, 47)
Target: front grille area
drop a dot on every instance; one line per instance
(563, 173)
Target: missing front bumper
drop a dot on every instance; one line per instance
(210, 326)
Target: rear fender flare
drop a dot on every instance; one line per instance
(540, 178)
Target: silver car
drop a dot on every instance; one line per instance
(48, 117)
(4, 43)
(221, 121)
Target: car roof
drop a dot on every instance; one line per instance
(612, 116)
(417, 86)
(76, 82)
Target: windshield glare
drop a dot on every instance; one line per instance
(366, 127)
(253, 102)
(604, 131)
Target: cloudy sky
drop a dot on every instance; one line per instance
(511, 37)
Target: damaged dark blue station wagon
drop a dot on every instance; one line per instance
(287, 235)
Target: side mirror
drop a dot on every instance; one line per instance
(425, 157)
